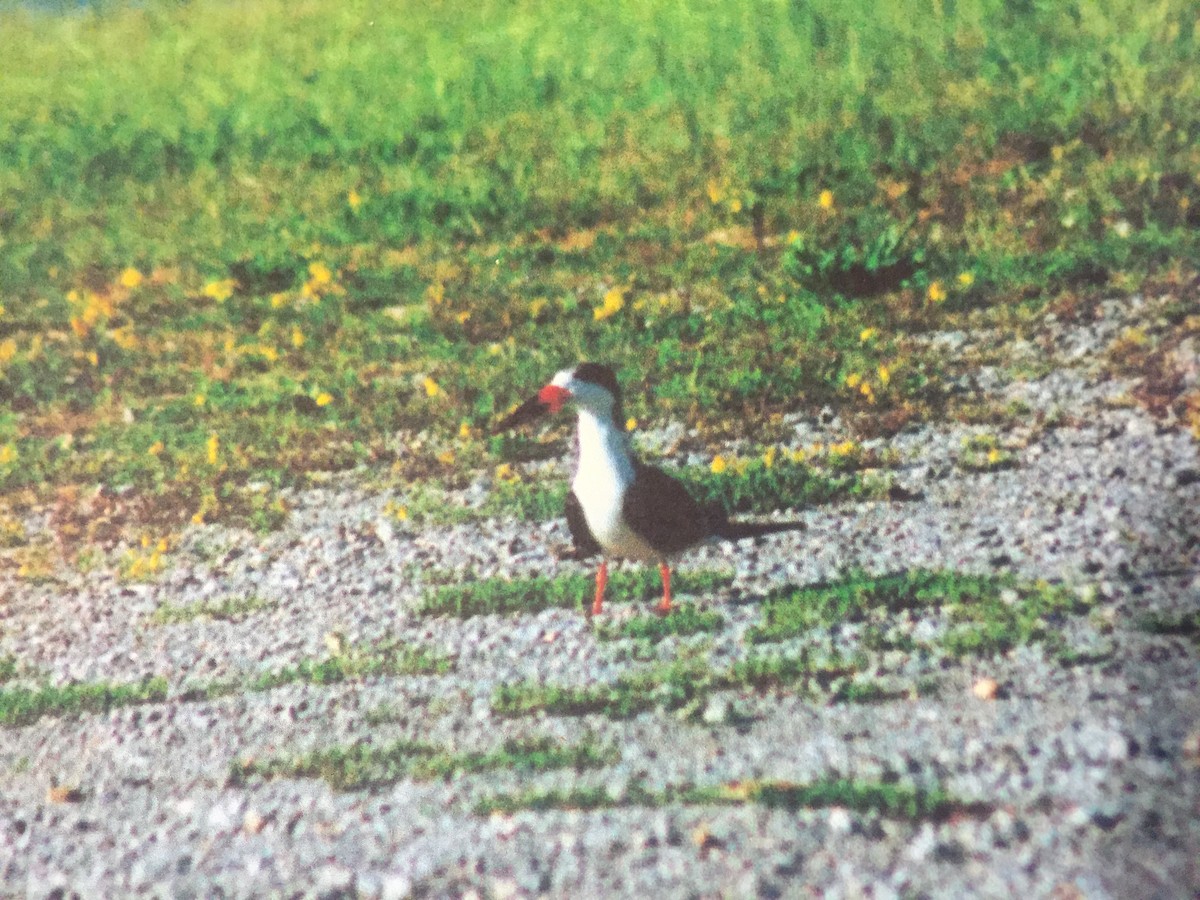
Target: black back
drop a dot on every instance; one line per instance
(660, 510)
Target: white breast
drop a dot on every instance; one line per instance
(605, 473)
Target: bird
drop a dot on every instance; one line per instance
(619, 506)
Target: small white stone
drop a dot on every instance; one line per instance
(839, 820)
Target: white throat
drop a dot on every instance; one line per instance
(605, 472)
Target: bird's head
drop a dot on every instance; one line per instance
(590, 386)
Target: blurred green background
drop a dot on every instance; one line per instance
(244, 242)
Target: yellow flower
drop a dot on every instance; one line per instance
(769, 457)
(278, 300)
(504, 472)
(993, 456)
(213, 445)
(353, 200)
(219, 290)
(719, 465)
(853, 380)
(446, 457)
(199, 400)
(613, 301)
(866, 390)
(793, 236)
(845, 448)
(155, 448)
(715, 192)
(631, 424)
(124, 338)
(93, 357)
(735, 205)
(269, 353)
(8, 349)
(462, 316)
(432, 389)
(825, 200)
(297, 338)
(536, 305)
(797, 455)
(1, 309)
(885, 375)
(8, 454)
(866, 334)
(318, 273)
(937, 293)
(966, 279)
(323, 399)
(130, 278)
(400, 513)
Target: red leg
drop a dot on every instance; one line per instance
(601, 583)
(665, 606)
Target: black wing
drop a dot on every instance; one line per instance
(660, 510)
(581, 535)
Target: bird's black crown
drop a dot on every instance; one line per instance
(599, 374)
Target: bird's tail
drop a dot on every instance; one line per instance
(735, 531)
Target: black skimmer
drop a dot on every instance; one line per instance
(618, 505)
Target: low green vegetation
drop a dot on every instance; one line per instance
(684, 686)
(983, 453)
(988, 614)
(528, 501)
(894, 801)
(682, 620)
(367, 767)
(8, 668)
(231, 609)
(756, 486)
(357, 664)
(501, 596)
(746, 209)
(23, 706)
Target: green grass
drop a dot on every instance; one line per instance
(893, 801)
(501, 596)
(23, 706)
(8, 668)
(755, 487)
(989, 614)
(535, 755)
(683, 685)
(231, 609)
(357, 664)
(445, 196)
(367, 767)
(682, 620)
(357, 767)
(526, 501)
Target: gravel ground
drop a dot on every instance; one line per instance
(1087, 776)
